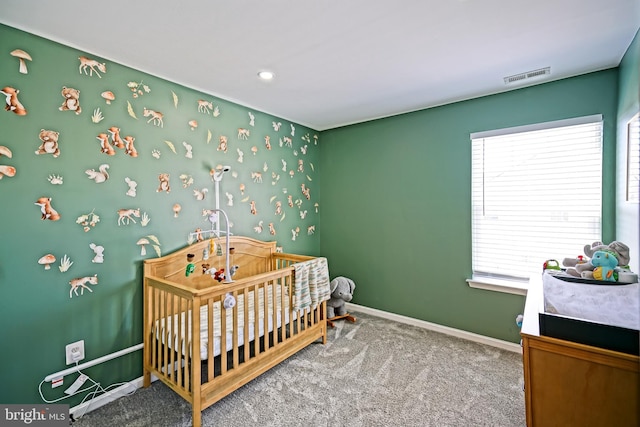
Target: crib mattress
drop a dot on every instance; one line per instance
(182, 322)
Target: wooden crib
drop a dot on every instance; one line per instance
(206, 356)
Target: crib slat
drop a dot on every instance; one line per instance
(154, 332)
(265, 315)
(188, 340)
(274, 310)
(210, 338)
(165, 335)
(292, 315)
(256, 318)
(180, 339)
(171, 344)
(223, 341)
(245, 330)
(194, 347)
(236, 325)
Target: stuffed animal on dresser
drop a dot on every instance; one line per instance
(582, 267)
(604, 262)
(341, 292)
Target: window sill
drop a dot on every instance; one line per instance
(497, 285)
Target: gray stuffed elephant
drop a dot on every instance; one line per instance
(341, 293)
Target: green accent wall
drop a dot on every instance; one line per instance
(396, 218)
(38, 316)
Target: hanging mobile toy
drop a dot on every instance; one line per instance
(190, 266)
(218, 250)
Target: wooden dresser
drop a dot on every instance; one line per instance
(572, 384)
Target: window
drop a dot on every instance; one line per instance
(633, 160)
(536, 195)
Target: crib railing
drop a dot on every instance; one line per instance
(260, 331)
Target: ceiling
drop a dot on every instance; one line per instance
(339, 62)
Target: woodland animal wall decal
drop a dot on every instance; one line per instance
(97, 116)
(243, 133)
(129, 148)
(108, 96)
(88, 221)
(47, 260)
(71, 100)
(92, 65)
(99, 176)
(6, 169)
(175, 99)
(81, 283)
(187, 180)
(189, 148)
(138, 89)
(48, 212)
(55, 179)
(132, 191)
(149, 239)
(11, 101)
(193, 124)
(116, 140)
(22, 57)
(125, 216)
(49, 142)
(164, 183)
(204, 106)
(200, 194)
(154, 116)
(65, 264)
(99, 253)
(105, 145)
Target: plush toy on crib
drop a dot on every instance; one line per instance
(604, 263)
(341, 292)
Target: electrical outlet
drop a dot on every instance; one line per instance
(74, 352)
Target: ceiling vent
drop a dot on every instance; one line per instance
(517, 78)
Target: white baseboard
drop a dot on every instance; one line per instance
(505, 345)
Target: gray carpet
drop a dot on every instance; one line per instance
(374, 372)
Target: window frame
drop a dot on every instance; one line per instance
(515, 286)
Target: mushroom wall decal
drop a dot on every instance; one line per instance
(108, 96)
(141, 243)
(47, 260)
(22, 56)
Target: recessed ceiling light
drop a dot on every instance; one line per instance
(266, 75)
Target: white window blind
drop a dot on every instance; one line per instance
(536, 195)
(633, 160)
